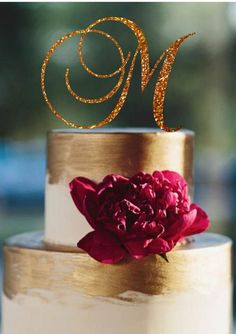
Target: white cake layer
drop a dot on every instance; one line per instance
(65, 224)
(186, 313)
(61, 292)
(96, 154)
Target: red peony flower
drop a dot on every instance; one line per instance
(135, 217)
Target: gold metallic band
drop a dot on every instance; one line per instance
(202, 265)
(95, 154)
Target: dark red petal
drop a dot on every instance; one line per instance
(79, 188)
(115, 178)
(90, 208)
(154, 228)
(174, 178)
(110, 181)
(201, 222)
(137, 248)
(86, 243)
(158, 176)
(102, 246)
(159, 246)
(129, 206)
(176, 229)
(141, 178)
(147, 192)
(170, 199)
(147, 229)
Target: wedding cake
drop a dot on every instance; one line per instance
(123, 249)
(121, 196)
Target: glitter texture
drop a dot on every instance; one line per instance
(146, 73)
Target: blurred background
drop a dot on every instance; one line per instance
(201, 94)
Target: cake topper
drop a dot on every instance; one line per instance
(146, 72)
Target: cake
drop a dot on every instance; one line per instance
(52, 286)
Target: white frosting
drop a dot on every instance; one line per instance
(64, 224)
(39, 312)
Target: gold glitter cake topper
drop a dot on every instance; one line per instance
(146, 73)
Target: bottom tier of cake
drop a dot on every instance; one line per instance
(59, 292)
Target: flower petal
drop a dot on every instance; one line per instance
(154, 228)
(177, 229)
(174, 178)
(177, 181)
(90, 208)
(201, 222)
(129, 206)
(137, 248)
(159, 246)
(170, 199)
(102, 246)
(158, 176)
(141, 178)
(147, 229)
(111, 181)
(79, 188)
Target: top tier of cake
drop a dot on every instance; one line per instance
(97, 153)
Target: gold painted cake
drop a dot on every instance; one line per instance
(53, 286)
